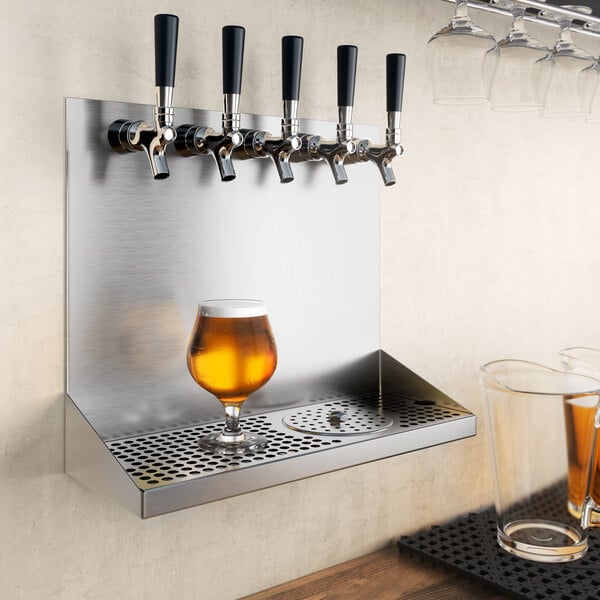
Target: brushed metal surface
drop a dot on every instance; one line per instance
(143, 253)
(88, 460)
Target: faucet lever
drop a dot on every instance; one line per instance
(195, 140)
(131, 136)
(383, 154)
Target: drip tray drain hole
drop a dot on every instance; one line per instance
(338, 418)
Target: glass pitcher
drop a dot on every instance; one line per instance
(531, 415)
(582, 359)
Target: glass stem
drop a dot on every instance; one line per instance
(461, 14)
(232, 420)
(518, 31)
(565, 37)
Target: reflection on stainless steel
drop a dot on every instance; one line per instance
(141, 256)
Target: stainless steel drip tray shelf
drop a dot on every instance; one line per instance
(167, 471)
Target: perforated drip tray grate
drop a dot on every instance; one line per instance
(165, 458)
(343, 417)
(469, 546)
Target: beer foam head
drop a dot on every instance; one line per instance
(232, 308)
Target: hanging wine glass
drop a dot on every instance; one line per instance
(594, 116)
(520, 75)
(461, 60)
(574, 73)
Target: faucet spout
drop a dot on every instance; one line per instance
(194, 140)
(333, 153)
(382, 156)
(158, 162)
(131, 136)
(261, 144)
(280, 151)
(221, 147)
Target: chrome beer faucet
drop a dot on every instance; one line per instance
(383, 154)
(131, 136)
(334, 153)
(193, 140)
(261, 144)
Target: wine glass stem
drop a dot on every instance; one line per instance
(565, 36)
(462, 11)
(232, 420)
(518, 24)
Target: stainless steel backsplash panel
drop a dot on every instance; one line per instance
(143, 253)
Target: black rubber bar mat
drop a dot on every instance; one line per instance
(469, 546)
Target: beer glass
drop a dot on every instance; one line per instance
(531, 413)
(585, 361)
(231, 354)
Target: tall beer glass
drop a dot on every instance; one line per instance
(231, 354)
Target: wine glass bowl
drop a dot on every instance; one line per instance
(231, 354)
(520, 75)
(461, 61)
(574, 73)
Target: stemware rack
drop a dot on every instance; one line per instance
(582, 23)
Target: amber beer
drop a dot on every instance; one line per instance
(580, 414)
(232, 352)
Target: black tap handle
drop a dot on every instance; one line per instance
(233, 58)
(291, 66)
(165, 49)
(346, 74)
(395, 66)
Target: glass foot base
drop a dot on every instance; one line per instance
(543, 541)
(241, 444)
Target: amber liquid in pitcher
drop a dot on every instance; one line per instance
(232, 357)
(580, 412)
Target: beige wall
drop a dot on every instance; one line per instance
(490, 249)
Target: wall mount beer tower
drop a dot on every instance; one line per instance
(337, 399)
(131, 136)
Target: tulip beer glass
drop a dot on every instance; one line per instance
(231, 354)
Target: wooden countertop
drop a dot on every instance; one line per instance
(382, 575)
